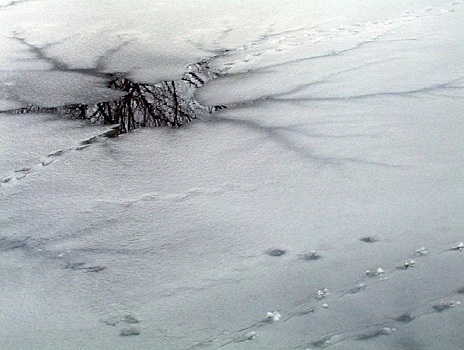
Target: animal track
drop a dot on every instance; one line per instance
(313, 304)
(52, 157)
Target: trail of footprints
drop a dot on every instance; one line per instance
(287, 40)
(52, 157)
(321, 299)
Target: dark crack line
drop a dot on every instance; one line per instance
(275, 133)
(333, 53)
(301, 87)
(406, 93)
(329, 77)
(13, 3)
(59, 65)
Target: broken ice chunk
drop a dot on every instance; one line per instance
(273, 316)
(406, 264)
(372, 273)
(422, 251)
(459, 247)
(321, 293)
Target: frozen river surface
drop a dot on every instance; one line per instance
(323, 208)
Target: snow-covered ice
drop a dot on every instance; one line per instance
(339, 152)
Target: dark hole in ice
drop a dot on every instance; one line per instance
(169, 103)
(460, 290)
(405, 318)
(276, 252)
(369, 239)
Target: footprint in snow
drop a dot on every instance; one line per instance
(369, 239)
(127, 332)
(309, 256)
(446, 305)
(56, 153)
(376, 333)
(405, 318)
(276, 252)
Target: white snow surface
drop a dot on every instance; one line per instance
(344, 122)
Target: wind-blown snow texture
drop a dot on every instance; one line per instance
(322, 208)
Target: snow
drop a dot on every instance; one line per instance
(340, 152)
